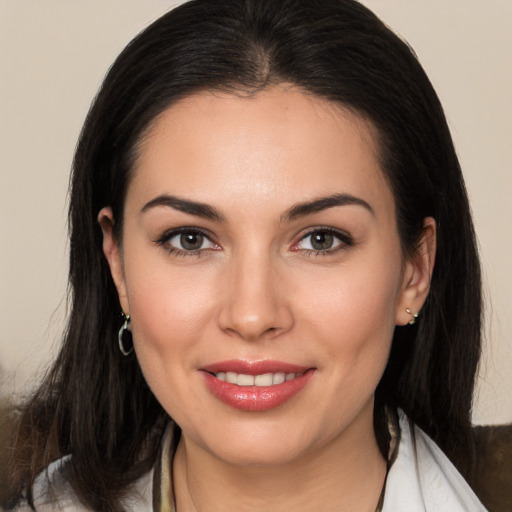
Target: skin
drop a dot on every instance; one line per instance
(257, 290)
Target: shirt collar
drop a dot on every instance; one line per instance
(163, 492)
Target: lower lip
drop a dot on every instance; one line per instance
(256, 398)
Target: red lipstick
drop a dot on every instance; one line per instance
(256, 398)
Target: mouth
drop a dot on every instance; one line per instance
(256, 386)
(261, 380)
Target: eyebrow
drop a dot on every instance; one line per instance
(324, 203)
(186, 206)
(296, 211)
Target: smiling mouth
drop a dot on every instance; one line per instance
(261, 380)
(256, 386)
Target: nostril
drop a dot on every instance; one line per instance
(255, 318)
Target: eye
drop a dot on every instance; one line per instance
(324, 240)
(186, 241)
(189, 241)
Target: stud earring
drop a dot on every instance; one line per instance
(412, 321)
(124, 337)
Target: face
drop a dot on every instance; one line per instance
(262, 269)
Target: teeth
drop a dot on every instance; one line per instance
(231, 377)
(245, 380)
(279, 378)
(265, 379)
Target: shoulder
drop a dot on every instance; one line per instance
(422, 478)
(52, 492)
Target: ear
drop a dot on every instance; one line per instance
(417, 275)
(113, 254)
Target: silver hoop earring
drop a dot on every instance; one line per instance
(124, 337)
(414, 316)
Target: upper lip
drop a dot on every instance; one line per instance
(254, 367)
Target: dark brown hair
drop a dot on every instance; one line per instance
(94, 404)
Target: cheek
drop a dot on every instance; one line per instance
(169, 307)
(352, 321)
(171, 311)
(353, 308)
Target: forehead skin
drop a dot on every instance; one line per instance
(273, 137)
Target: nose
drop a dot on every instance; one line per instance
(256, 304)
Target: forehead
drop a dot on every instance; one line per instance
(279, 143)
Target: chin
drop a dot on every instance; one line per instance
(257, 443)
(259, 455)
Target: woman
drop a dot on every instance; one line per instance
(259, 195)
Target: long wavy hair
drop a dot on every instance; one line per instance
(94, 403)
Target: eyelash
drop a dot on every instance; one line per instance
(345, 241)
(164, 241)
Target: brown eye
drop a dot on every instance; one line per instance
(322, 241)
(191, 241)
(187, 241)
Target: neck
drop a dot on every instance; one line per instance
(345, 474)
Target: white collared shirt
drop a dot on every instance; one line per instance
(421, 479)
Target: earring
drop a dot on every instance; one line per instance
(412, 321)
(124, 336)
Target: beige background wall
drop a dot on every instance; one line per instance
(53, 55)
